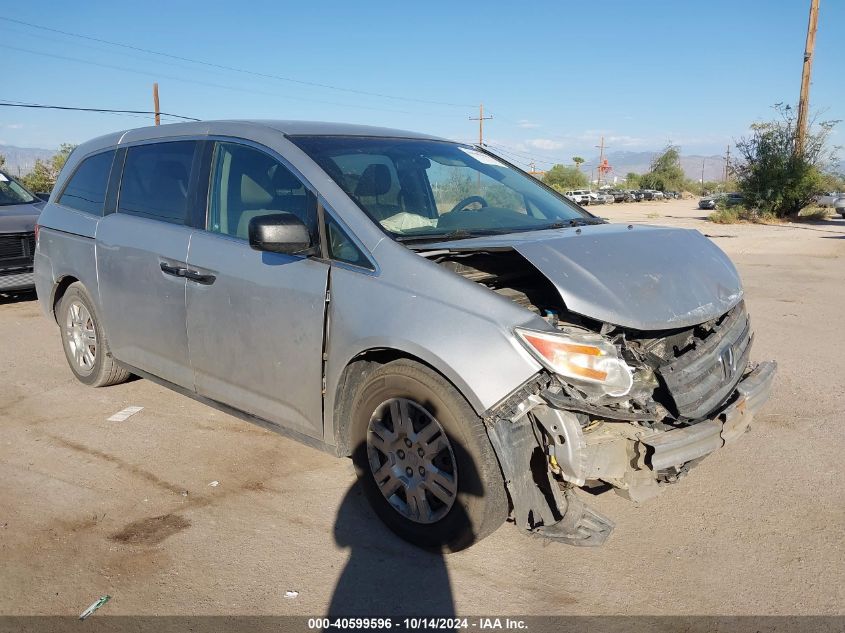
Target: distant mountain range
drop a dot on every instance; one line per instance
(640, 162)
(20, 160)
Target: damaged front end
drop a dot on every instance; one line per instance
(692, 392)
(616, 406)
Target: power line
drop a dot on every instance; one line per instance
(212, 84)
(9, 104)
(234, 68)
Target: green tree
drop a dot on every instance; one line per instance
(2, 161)
(578, 162)
(776, 177)
(665, 172)
(43, 176)
(565, 177)
(632, 180)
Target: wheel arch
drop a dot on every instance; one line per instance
(356, 371)
(59, 289)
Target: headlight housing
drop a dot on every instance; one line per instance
(583, 358)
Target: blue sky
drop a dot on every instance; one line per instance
(554, 75)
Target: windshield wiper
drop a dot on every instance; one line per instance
(458, 234)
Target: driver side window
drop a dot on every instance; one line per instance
(247, 183)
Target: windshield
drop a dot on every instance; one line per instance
(12, 193)
(421, 189)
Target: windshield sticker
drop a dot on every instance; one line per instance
(481, 157)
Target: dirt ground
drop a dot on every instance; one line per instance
(91, 507)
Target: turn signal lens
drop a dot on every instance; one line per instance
(581, 357)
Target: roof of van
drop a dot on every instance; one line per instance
(323, 128)
(288, 128)
(225, 127)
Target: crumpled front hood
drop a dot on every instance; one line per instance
(19, 218)
(642, 277)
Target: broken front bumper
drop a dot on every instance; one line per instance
(630, 456)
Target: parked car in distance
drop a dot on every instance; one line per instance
(708, 203)
(729, 199)
(477, 354)
(828, 199)
(581, 196)
(839, 206)
(19, 210)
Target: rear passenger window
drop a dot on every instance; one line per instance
(155, 181)
(86, 190)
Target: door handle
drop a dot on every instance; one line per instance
(176, 271)
(200, 278)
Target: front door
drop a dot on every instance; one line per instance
(141, 251)
(255, 319)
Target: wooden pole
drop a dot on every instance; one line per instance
(601, 162)
(804, 99)
(155, 103)
(481, 119)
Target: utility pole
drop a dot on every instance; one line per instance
(601, 168)
(727, 162)
(702, 175)
(481, 119)
(804, 99)
(155, 104)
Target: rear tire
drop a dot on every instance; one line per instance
(439, 438)
(84, 341)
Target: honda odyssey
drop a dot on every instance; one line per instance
(478, 344)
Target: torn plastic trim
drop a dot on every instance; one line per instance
(539, 505)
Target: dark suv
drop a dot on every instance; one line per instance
(19, 210)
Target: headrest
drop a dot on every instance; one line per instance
(253, 194)
(284, 180)
(375, 181)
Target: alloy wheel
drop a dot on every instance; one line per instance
(81, 336)
(411, 460)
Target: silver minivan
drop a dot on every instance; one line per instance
(479, 345)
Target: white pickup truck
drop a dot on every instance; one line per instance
(583, 196)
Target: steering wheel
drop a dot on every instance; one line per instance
(468, 201)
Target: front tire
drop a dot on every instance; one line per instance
(423, 458)
(84, 340)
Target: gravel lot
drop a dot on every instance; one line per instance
(89, 507)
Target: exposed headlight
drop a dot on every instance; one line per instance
(580, 357)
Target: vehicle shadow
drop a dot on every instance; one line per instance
(385, 576)
(17, 296)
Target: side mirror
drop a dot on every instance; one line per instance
(279, 233)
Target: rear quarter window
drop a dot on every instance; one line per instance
(155, 181)
(86, 189)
